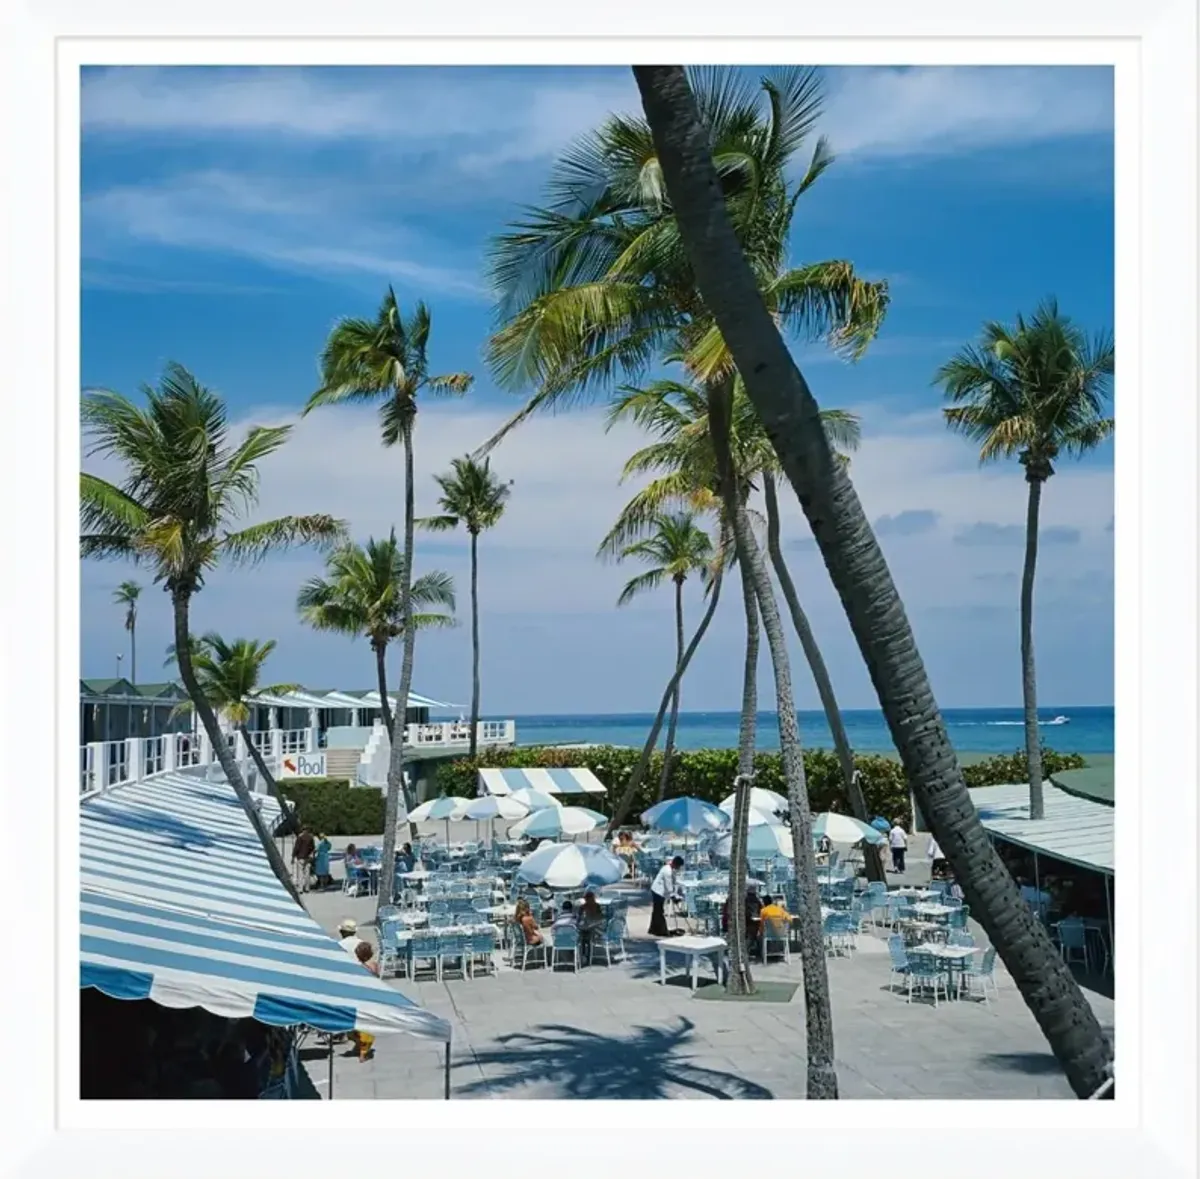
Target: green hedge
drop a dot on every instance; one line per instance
(333, 807)
(709, 773)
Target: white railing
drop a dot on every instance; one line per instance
(186, 749)
(452, 733)
(154, 755)
(110, 763)
(295, 741)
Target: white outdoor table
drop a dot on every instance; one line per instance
(694, 948)
(922, 894)
(955, 957)
(506, 911)
(932, 910)
(415, 874)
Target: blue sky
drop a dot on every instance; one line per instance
(229, 217)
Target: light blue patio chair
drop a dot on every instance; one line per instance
(775, 938)
(1073, 942)
(522, 952)
(566, 943)
(391, 954)
(899, 959)
(926, 972)
(453, 950)
(481, 950)
(960, 937)
(982, 971)
(424, 948)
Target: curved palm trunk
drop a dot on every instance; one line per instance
(820, 673)
(669, 748)
(208, 718)
(861, 577)
(133, 652)
(740, 980)
(395, 775)
(474, 645)
(289, 811)
(1033, 738)
(643, 762)
(385, 712)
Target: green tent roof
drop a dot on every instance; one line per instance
(1092, 782)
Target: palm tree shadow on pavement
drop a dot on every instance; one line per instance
(649, 1063)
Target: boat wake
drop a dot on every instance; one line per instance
(1058, 720)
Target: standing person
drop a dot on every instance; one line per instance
(321, 862)
(590, 919)
(898, 842)
(664, 888)
(937, 860)
(302, 854)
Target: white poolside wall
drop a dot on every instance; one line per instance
(111, 763)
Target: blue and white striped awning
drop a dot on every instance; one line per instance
(179, 905)
(548, 781)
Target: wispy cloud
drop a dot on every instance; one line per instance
(314, 229)
(941, 110)
(984, 533)
(910, 523)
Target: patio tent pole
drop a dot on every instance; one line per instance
(330, 1066)
(447, 1088)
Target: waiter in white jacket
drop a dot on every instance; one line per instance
(664, 888)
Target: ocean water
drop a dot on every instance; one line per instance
(973, 730)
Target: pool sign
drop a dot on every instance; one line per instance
(302, 765)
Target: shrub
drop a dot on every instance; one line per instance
(1009, 768)
(333, 807)
(708, 774)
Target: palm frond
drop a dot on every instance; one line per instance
(258, 541)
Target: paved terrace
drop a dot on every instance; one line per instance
(615, 1032)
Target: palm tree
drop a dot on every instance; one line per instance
(185, 484)
(685, 463)
(228, 675)
(1035, 391)
(474, 497)
(127, 595)
(861, 577)
(600, 283)
(676, 548)
(384, 359)
(360, 596)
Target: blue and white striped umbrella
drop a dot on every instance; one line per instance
(571, 865)
(446, 807)
(535, 800)
(547, 780)
(179, 905)
(765, 840)
(495, 807)
(552, 822)
(844, 829)
(685, 816)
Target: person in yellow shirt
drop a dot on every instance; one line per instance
(775, 917)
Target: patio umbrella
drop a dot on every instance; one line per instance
(685, 816)
(552, 822)
(448, 808)
(881, 824)
(757, 816)
(844, 829)
(535, 800)
(495, 806)
(764, 840)
(571, 865)
(760, 797)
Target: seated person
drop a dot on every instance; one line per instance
(405, 860)
(352, 857)
(775, 917)
(590, 918)
(525, 919)
(565, 918)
